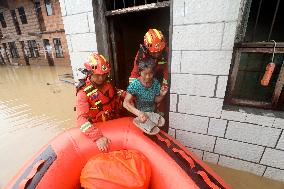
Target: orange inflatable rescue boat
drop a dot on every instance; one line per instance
(59, 163)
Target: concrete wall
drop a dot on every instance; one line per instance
(203, 38)
(202, 47)
(80, 31)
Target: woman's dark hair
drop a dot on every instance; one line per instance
(145, 63)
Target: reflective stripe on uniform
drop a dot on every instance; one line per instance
(85, 126)
(165, 81)
(87, 88)
(149, 38)
(93, 61)
(103, 57)
(98, 102)
(157, 33)
(92, 92)
(162, 62)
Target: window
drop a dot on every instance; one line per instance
(2, 20)
(33, 48)
(22, 14)
(253, 51)
(13, 50)
(15, 21)
(48, 6)
(58, 48)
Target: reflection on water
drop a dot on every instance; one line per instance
(35, 105)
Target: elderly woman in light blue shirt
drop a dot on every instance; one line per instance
(144, 91)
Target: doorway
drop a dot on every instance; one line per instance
(48, 52)
(25, 52)
(120, 30)
(6, 52)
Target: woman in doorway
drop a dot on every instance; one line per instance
(146, 89)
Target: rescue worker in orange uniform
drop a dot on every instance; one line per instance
(96, 100)
(155, 48)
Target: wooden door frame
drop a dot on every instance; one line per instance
(104, 45)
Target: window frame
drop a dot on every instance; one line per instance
(33, 49)
(49, 3)
(3, 22)
(254, 47)
(13, 49)
(61, 54)
(240, 45)
(23, 17)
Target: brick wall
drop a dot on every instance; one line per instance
(202, 44)
(31, 31)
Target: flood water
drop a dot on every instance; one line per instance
(35, 106)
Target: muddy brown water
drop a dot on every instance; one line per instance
(35, 106)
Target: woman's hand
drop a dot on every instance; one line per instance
(142, 117)
(103, 143)
(164, 90)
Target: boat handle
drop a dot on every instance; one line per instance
(207, 180)
(32, 173)
(167, 141)
(185, 156)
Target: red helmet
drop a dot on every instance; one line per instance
(97, 63)
(154, 40)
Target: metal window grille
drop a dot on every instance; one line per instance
(253, 51)
(22, 14)
(13, 50)
(33, 48)
(58, 48)
(2, 20)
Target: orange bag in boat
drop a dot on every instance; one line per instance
(125, 169)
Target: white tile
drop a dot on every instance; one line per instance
(273, 158)
(217, 127)
(195, 140)
(280, 144)
(91, 21)
(206, 62)
(204, 106)
(221, 87)
(255, 134)
(76, 23)
(278, 123)
(172, 132)
(173, 102)
(78, 6)
(189, 122)
(233, 115)
(200, 85)
(210, 157)
(260, 119)
(275, 174)
(84, 42)
(238, 150)
(241, 165)
(196, 152)
(176, 61)
(211, 11)
(197, 37)
(229, 35)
